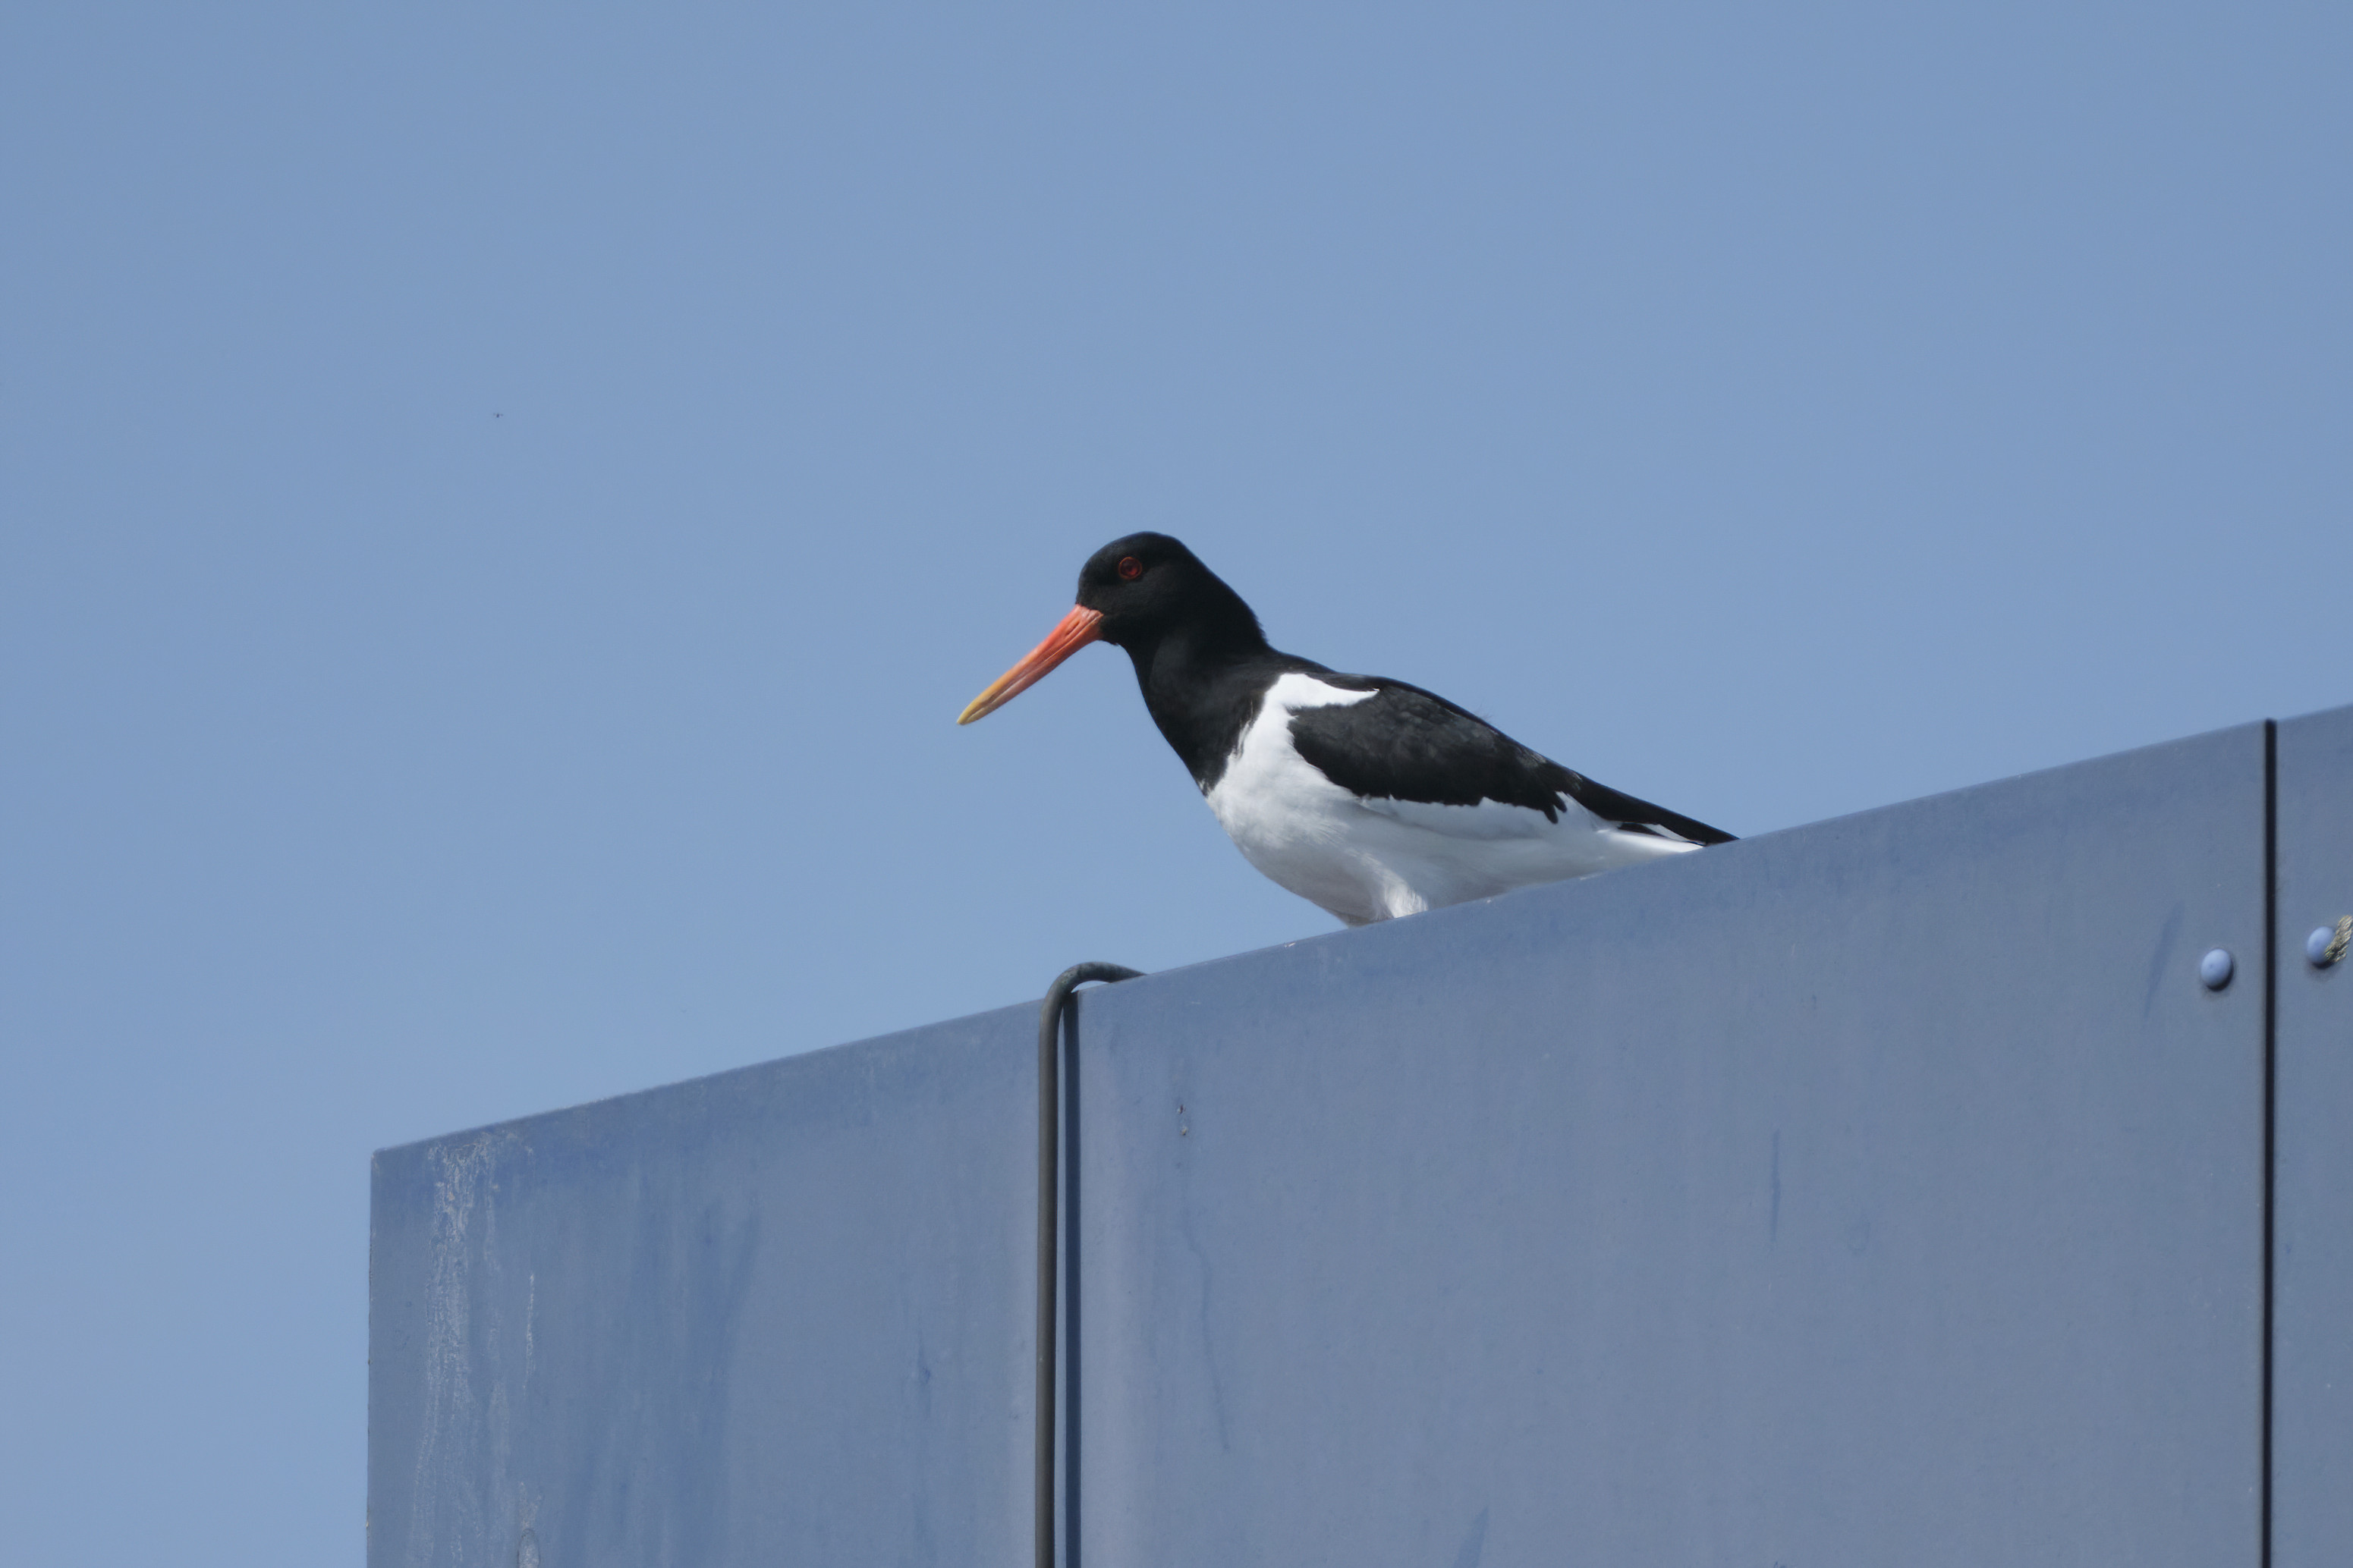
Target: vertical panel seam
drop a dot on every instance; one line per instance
(2271, 1107)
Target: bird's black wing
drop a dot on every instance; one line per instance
(1639, 816)
(1405, 743)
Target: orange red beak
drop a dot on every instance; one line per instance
(1076, 630)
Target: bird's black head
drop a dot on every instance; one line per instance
(1147, 584)
(1140, 593)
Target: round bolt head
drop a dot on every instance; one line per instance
(2216, 968)
(2327, 944)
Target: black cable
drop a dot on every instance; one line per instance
(1050, 1221)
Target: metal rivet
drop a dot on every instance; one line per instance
(2327, 944)
(2216, 968)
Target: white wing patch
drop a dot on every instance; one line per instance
(1292, 693)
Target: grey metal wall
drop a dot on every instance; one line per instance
(1889, 1190)
(2312, 1475)
(775, 1316)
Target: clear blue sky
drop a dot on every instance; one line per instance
(500, 508)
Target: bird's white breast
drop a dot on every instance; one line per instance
(1369, 859)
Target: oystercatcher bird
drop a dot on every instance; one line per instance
(1369, 797)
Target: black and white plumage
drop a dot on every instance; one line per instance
(1369, 797)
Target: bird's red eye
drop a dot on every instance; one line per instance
(1130, 568)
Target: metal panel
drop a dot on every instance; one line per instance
(780, 1315)
(2312, 1356)
(1888, 1191)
